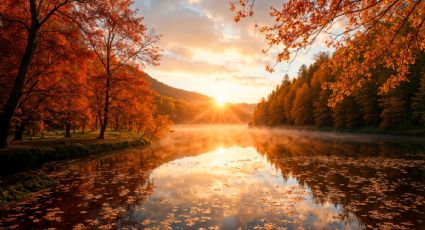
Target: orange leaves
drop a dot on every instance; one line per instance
(388, 33)
(85, 54)
(245, 11)
(122, 43)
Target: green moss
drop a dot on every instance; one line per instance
(23, 188)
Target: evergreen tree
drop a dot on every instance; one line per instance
(346, 114)
(367, 100)
(322, 112)
(393, 111)
(302, 110)
(418, 103)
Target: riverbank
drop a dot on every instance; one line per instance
(27, 155)
(30, 154)
(408, 131)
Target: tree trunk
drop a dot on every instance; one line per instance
(18, 86)
(99, 114)
(68, 130)
(116, 122)
(19, 131)
(104, 124)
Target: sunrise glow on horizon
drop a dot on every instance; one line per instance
(206, 52)
(219, 101)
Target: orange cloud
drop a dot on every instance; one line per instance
(208, 51)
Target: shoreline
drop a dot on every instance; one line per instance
(18, 161)
(403, 135)
(22, 158)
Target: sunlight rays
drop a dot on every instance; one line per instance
(219, 101)
(217, 114)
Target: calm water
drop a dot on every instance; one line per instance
(236, 178)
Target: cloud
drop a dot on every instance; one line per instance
(248, 80)
(176, 64)
(203, 44)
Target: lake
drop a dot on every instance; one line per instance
(232, 177)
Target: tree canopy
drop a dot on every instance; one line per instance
(367, 35)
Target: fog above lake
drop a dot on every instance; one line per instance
(230, 177)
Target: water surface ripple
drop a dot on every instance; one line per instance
(231, 177)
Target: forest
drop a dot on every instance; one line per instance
(304, 101)
(89, 140)
(374, 78)
(75, 65)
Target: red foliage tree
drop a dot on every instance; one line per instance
(27, 26)
(375, 34)
(119, 39)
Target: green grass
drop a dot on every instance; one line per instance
(30, 154)
(23, 188)
(119, 134)
(33, 152)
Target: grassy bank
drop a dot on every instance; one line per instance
(23, 187)
(31, 154)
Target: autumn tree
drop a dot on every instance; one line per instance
(290, 97)
(345, 114)
(374, 33)
(276, 107)
(28, 24)
(393, 111)
(401, 108)
(322, 112)
(418, 104)
(302, 110)
(260, 114)
(367, 99)
(131, 97)
(118, 37)
(71, 107)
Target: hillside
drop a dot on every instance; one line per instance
(191, 107)
(178, 94)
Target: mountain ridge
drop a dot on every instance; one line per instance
(176, 93)
(188, 107)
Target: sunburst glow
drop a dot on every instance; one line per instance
(219, 101)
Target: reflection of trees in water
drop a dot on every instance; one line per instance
(99, 192)
(193, 141)
(380, 190)
(362, 178)
(105, 191)
(302, 143)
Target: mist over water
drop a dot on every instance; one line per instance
(230, 177)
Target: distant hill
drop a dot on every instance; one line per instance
(178, 94)
(191, 107)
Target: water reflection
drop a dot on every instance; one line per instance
(231, 177)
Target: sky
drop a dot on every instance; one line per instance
(205, 51)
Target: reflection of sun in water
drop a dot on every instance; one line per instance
(219, 101)
(220, 151)
(220, 157)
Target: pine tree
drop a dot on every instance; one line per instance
(302, 110)
(346, 114)
(322, 112)
(393, 111)
(418, 102)
(367, 100)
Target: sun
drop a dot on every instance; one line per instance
(219, 101)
